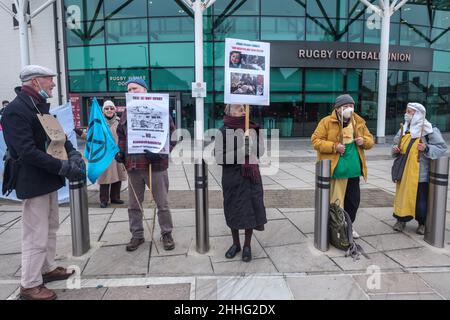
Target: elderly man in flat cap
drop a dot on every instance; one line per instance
(37, 178)
(137, 166)
(342, 138)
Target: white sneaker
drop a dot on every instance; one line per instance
(355, 235)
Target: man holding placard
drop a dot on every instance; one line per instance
(145, 144)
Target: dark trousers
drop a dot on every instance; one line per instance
(352, 197)
(421, 202)
(106, 193)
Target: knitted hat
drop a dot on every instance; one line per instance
(108, 103)
(343, 100)
(138, 81)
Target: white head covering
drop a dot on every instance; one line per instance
(108, 103)
(419, 125)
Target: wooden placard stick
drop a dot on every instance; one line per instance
(247, 120)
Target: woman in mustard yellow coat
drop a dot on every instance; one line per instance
(342, 138)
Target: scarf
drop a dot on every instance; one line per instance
(419, 126)
(249, 169)
(33, 94)
(111, 120)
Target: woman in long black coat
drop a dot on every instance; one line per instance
(243, 195)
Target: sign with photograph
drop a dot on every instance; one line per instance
(247, 72)
(148, 122)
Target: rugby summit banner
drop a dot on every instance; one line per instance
(247, 72)
(148, 122)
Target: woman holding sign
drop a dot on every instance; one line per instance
(243, 199)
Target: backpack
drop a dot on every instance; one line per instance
(340, 231)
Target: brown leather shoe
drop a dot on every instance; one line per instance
(134, 244)
(37, 293)
(59, 273)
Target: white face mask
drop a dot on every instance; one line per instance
(408, 117)
(347, 113)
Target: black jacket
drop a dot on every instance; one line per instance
(26, 140)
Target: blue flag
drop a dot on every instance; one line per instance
(100, 147)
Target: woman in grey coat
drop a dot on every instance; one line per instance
(425, 143)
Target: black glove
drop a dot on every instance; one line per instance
(75, 156)
(152, 156)
(71, 171)
(120, 157)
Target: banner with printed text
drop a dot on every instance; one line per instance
(247, 72)
(148, 122)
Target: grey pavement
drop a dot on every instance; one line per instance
(285, 263)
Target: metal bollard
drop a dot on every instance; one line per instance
(201, 207)
(437, 202)
(79, 217)
(322, 204)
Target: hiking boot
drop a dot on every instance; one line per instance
(37, 293)
(134, 244)
(246, 254)
(58, 274)
(167, 241)
(399, 226)
(103, 204)
(231, 253)
(421, 229)
(355, 234)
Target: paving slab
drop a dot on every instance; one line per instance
(118, 233)
(115, 260)
(300, 258)
(220, 245)
(205, 289)
(274, 214)
(381, 213)
(97, 224)
(421, 257)
(278, 233)
(9, 264)
(81, 294)
(335, 252)
(439, 281)
(7, 219)
(184, 238)
(393, 241)
(218, 226)
(413, 296)
(151, 292)
(180, 265)
(377, 259)
(17, 207)
(261, 265)
(392, 283)
(6, 290)
(11, 241)
(253, 288)
(367, 225)
(304, 220)
(325, 287)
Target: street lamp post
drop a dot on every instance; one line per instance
(201, 170)
(385, 10)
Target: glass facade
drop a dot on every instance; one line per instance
(154, 39)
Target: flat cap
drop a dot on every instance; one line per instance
(34, 71)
